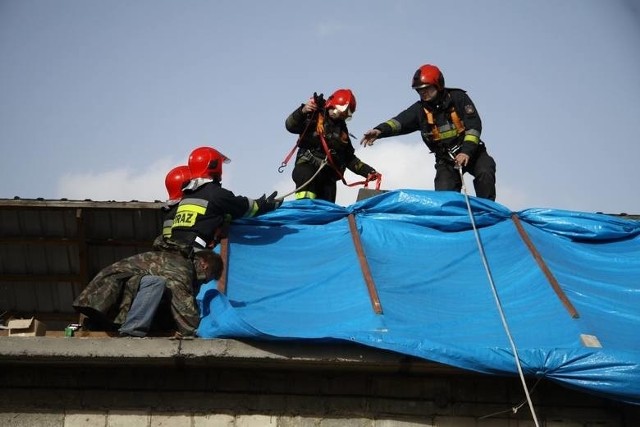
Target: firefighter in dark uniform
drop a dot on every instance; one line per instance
(206, 208)
(176, 179)
(450, 126)
(324, 143)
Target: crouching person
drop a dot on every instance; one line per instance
(136, 293)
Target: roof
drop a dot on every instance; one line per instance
(49, 249)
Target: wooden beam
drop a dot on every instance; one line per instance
(545, 269)
(224, 253)
(364, 265)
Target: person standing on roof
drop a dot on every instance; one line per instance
(176, 179)
(207, 208)
(324, 137)
(450, 126)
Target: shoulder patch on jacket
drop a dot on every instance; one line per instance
(468, 109)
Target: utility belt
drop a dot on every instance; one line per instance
(317, 160)
(307, 156)
(168, 244)
(189, 238)
(447, 152)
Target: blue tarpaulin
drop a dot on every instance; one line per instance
(295, 274)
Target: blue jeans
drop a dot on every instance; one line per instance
(144, 306)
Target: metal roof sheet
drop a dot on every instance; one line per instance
(50, 249)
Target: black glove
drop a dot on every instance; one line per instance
(267, 204)
(366, 170)
(320, 101)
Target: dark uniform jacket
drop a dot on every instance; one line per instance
(168, 210)
(205, 209)
(108, 297)
(336, 136)
(414, 118)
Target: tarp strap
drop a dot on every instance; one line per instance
(364, 265)
(543, 266)
(224, 254)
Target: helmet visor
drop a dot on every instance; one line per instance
(344, 109)
(213, 164)
(225, 159)
(427, 92)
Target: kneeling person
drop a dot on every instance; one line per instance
(127, 294)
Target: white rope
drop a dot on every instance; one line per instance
(497, 300)
(513, 409)
(322, 165)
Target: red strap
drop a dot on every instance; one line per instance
(325, 148)
(295, 147)
(367, 181)
(378, 181)
(353, 184)
(286, 159)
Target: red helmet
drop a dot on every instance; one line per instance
(175, 181)
(206, 162)
(428, 75)
(343, 100)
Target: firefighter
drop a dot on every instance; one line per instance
(324, 142)
(450, 127)
(176, 179)
(207, 208)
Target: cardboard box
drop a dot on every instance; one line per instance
(26, 328)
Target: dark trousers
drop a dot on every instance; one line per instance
(482, 167)
(323, 185)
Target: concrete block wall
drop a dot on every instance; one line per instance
(149, 419)
(159, 382)
(160, 396)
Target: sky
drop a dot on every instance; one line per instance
(100, 99)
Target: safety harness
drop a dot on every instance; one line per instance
(328, 157)
(452, 133)
(325, 147)
(327, 152)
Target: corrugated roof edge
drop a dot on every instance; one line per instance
(17, 201)
(66, 203)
